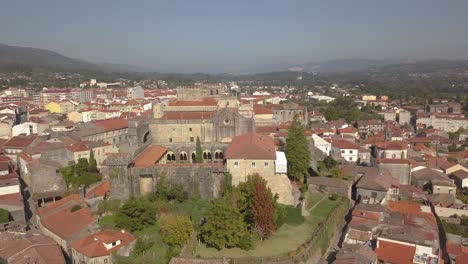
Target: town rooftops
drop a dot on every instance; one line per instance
(251, 146)
(101, 243)
(150, 156)
(99, 191)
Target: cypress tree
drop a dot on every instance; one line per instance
(297, 151)
(198, 152)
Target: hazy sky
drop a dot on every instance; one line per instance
(237, 35)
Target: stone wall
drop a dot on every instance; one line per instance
(203, 180)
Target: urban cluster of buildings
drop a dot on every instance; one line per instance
(402, 179)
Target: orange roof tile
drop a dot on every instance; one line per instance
(251, 146)
(149, 156)
(395, 252)
(93, 245)
(99, 191)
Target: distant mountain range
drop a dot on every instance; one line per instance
(22, 58)
(42, 59)
(382, 66)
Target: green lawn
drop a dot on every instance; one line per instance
(284, 240)
(313, 199)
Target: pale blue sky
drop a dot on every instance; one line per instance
(237, 35)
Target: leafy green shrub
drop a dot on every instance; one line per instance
(334, 197)
(175, 229)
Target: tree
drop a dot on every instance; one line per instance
(175, 229)
(4, 216)
(329, 162)
(135, 215)
(92, 166)
(263, 211)
(198, 152)
(297, 151)
(223, 226)
(81, 167)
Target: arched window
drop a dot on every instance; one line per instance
(204, 155)
(209, 155)
(216, 155)
(173, 157)
(169, 157)
(181, 156)
(221, 156)
(193, 157)
(185, 156)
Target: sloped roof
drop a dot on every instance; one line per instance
(92, 246)
(37, 248)
(395, 252)
(149, 156)
(344, 144)
(112, 124)
(251, 146)
(99, 191)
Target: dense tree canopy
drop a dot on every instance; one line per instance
(223, 226)
(135, 215)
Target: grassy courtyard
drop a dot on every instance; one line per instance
(285, 239)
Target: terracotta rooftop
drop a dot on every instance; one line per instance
(204, 102)
(344, 144)
(112, 124)
(261, 110)
(394, 252)
(251, 146)
(391, 145)
(19, 141)
(39, 249)
(180, 115)
(99, 191)
(93, 245)
(150, 156)
(59, 219)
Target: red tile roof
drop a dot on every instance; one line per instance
(36, 248)
(347, 130)
(395, 252)
(251, 146)
(149, 156)
(78, 147)
(203, 102)
(187, 115)
(261, 110)
(93, 245)
(59, 219)
(19, 141)
(99, 191)
(392, 145)
(112, 124)
(344, 144)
